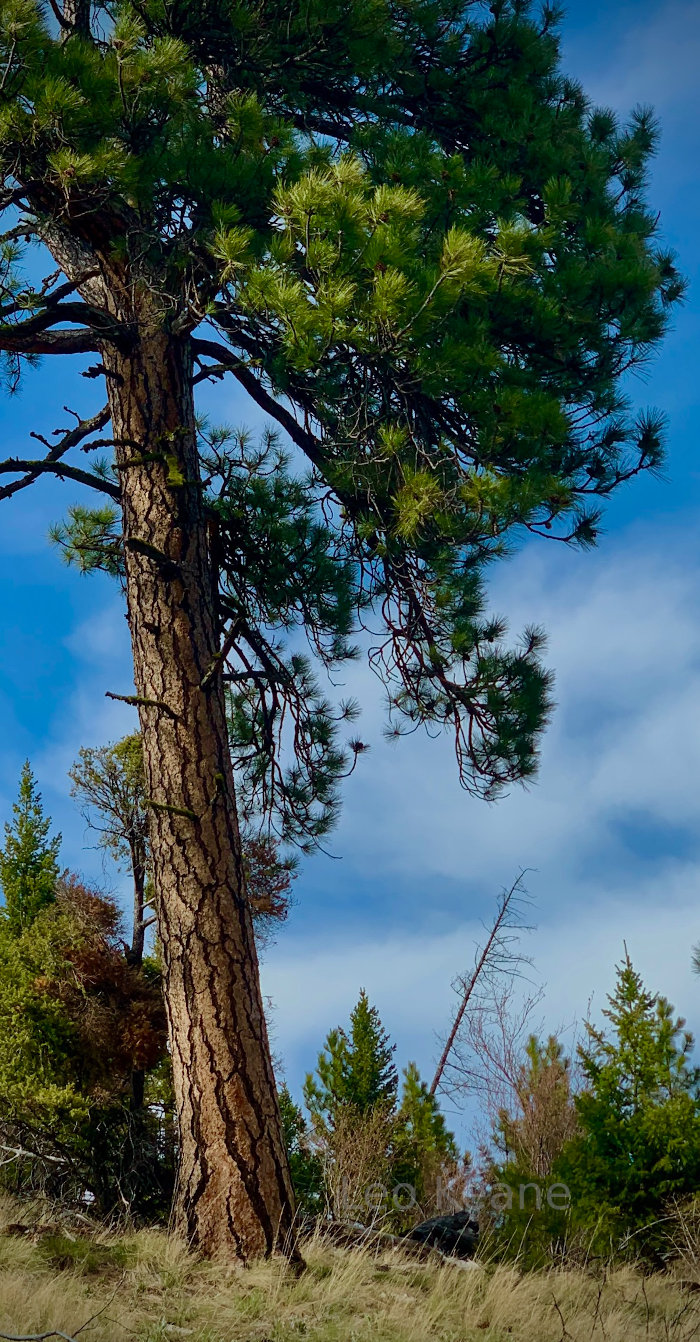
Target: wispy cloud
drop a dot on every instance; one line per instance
(640, 53)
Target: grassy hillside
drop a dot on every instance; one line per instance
(149, 1288)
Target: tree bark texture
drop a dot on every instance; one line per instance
(234, 1193)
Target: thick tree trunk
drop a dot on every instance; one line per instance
(234, 1194)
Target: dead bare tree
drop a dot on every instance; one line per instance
(495, 960)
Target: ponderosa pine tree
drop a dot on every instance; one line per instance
(409, 237)
(29, 859)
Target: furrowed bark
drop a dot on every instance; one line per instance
(234, 1194)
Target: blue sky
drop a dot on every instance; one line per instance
(611, 829)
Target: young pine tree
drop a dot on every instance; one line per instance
(355, 1069)
(368, 1135)
(412, 241)
(639, 1117)
(29, 858)
(423, 1148)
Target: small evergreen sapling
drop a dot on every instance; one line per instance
(638, 1151)
(374, 1142)
(355, 1069)
(29, 858)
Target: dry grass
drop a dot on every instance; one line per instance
(149, 1288)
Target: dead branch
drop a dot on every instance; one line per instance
(56, 1332)
(37, 1337)
(19, 1152)
(31, 470)
(50, 463)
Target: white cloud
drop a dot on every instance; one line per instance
(100, 647)
(624, 744)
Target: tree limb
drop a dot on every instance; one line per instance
(21, 335)
(309, 445)
(32, 469)
(15, 341)
(72, 438)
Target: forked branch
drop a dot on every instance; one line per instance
(53, 463)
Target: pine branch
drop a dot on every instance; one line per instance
(58, 15)
(46, 297)
(309, 445)
(32, 336)
(137, 700)
(14, 341)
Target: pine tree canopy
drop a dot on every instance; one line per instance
(421, 251)
(29, 859)
(355, 1068)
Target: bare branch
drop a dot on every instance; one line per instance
(33, 335)
(37, 1337)
(58, 15)
(52, 463)
(19, 1151)
(30, 470)
(51, 342)
(137, 701)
